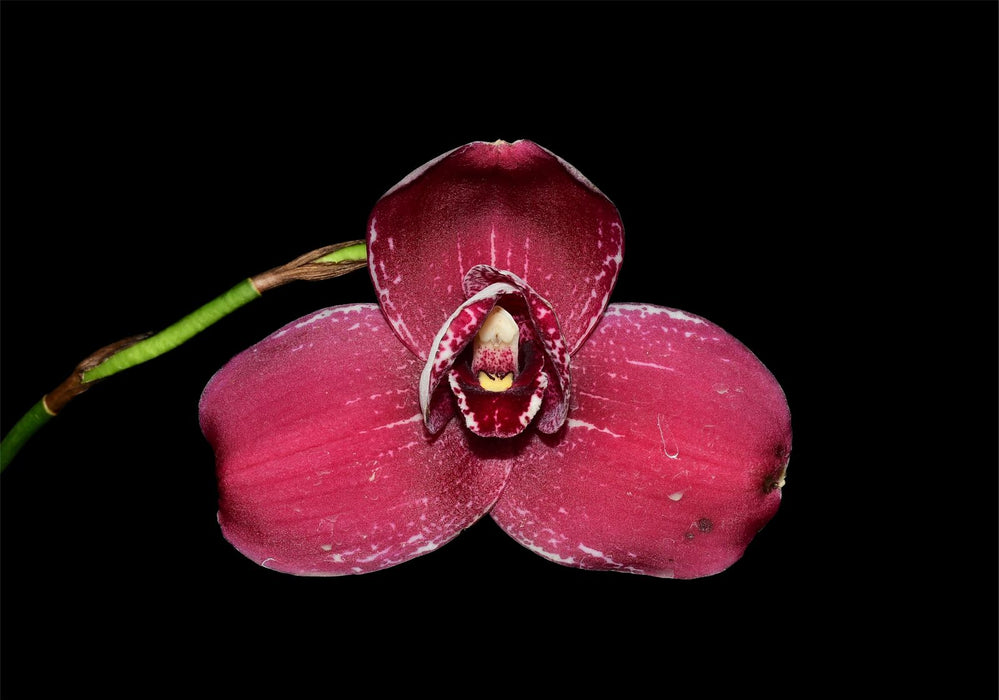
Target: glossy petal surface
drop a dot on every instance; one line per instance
(515, 207)
(324, 466)
(671, 460)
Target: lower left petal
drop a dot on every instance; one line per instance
(324, 466)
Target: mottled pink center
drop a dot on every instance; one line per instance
(496, 349)
(504, 358)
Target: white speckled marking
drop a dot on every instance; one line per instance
(575, 423)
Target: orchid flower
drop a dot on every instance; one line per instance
(494, 377)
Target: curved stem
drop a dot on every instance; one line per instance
(306, 267)
(323, 263)
(180, 332)
(37, 416)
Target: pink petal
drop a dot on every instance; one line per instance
(515, 207)
(324, 466)
(672, 458)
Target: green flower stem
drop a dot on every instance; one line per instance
(137, 353)
(37, 416)
(320, 264)
(180, 332)
(356, 252)
(192, 324)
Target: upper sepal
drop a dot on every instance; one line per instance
(513, 206)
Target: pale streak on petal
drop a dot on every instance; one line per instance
(673, 450)
(575, 423)
(396, 424)
(653, 365)
(378, 279)
(609, 561)
(527, 248)
(551, 556)
(650, 310)
(611, 265)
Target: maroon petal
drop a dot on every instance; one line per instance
(673, 457)
(515, 207)
(324, 466)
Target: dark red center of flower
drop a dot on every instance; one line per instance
(504, 358)
(497, 398)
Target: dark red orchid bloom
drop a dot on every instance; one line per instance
(494, 377)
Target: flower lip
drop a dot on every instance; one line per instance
(539, 334)
(547, 330)
(452, 338)
(499, 414)
(506, 413)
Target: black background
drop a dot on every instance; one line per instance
(818, 179)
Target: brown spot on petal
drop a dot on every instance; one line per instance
(705, 525)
